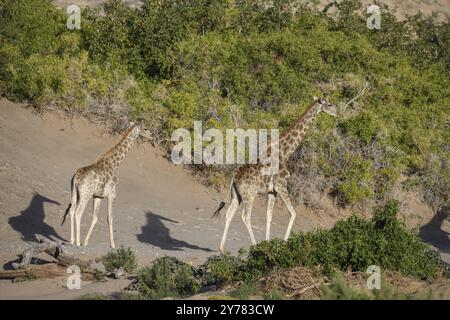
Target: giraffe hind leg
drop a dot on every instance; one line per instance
(111, 198)
(271, 197)
(246, 216)
(83, 200)
(96, 206)
(72, 209)
(228, 217)
(236, 200)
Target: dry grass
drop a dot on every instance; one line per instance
(303, 283)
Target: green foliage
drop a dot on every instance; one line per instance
(357, 180)
(244, 291)
(275, 294)
(363, 126)
(219, 270)
(339, 289)
(167, 276)
(351, 244)
(246, 64)
(31, 25)
(93, 296)
(120, 258)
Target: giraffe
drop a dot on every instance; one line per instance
(248, 179)
(97, 181)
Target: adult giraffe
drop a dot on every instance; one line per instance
(97, 181)
(248, 180)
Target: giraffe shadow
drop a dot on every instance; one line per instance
(433, 233)
(157, 234)
(30, 222)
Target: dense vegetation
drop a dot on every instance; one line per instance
(351, 245)
(244, 63)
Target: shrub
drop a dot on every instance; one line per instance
(353, 244)
(121, 258)
(219, 270)
(94, 296)
(167, 276)
(244, 291)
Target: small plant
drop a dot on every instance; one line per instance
(124, 295)
(275, 294)
(339, 290)
(244, 291)
(219, 270)
(167, 277)
(93, 296)
(121, 258)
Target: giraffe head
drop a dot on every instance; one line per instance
(140, 129)
(326, 107)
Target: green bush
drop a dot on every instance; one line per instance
(363, 126)
(166, 277)
(219, 270)
(120, 258)
(353, 244)
(244, 291)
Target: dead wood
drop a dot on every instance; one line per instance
(63, 259)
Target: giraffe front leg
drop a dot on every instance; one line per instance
(95, 208)
(110, 219)
(270, 203)
(292, 214)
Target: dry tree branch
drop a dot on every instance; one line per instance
(360, 93)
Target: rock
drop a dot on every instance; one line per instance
(98, 266)
(119, 273)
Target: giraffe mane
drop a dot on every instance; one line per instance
(299, 120)
(124, 137)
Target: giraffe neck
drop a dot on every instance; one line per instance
(293, 136)
(115, 156)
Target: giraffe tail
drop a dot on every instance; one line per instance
(234, 192)
(74, 197)
(217, 212)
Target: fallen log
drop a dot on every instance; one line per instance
(49, 270)
(90, 269)
(53, 249)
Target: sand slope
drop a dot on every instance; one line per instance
(160, 209)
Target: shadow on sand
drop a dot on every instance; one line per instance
(30, 222)
(157, 234)
(433, 234)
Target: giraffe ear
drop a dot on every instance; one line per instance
(315, 98)
(131, 123)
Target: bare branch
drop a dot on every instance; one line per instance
(360, 93)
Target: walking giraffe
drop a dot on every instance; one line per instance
(248, 180)
(97, 181)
